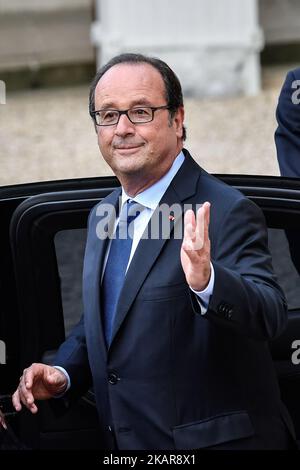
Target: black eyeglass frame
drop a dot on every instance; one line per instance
(125, 111)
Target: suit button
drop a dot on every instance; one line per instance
(229, 313)
(113, 378)
(221, 308)
(225, 309)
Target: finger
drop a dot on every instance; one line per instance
(27, 398)
(189, 230)
(189, 223)
(16, 401)
(199, 239)
(203, 216)
(25, 394)
(194, 238)
(26, 386)
(28, 377)
(206, 220)
(32, 408)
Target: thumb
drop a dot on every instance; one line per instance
(56, 378)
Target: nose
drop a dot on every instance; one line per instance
(124, 126)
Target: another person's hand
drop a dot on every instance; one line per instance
(195, 248)
(38, 382)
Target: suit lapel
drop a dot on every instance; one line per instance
(182, 187)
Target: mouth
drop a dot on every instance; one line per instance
(129, 148)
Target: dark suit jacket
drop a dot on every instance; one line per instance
(287, 135)
(287, 140)
(172, 378)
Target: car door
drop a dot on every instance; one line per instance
(279, 200)
(42, 243)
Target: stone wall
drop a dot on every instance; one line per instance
(35, 33)
(280, 20)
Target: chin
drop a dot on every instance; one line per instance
(128, 165)
(129, 170)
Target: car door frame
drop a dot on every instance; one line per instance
(44, 209)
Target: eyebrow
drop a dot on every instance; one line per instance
(137, 102)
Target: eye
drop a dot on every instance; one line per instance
(108, 115)
(141, 112)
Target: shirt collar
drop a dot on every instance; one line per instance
(151, 196)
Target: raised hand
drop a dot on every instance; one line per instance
(195, 248)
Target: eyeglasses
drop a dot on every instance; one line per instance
(140, 115)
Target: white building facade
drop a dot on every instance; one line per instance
(212, 45)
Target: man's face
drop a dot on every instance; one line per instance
(143, 151)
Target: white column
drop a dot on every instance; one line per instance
(213, 46)
(2, 352)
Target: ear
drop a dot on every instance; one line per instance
(178, 120)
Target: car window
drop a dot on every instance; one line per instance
(286, 272)
(69, 247)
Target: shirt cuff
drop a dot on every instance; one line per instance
(203, 296)
(68, 381)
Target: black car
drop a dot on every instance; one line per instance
(42, 239)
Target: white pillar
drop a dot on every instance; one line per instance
(2, 352)
(213, 46)
(2, 92)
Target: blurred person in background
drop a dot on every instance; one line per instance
(287, 135)
(287, 140)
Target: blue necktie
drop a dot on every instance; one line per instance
(116, 265)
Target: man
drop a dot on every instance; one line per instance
(287, 135)
(179, 357)
(287, 141)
